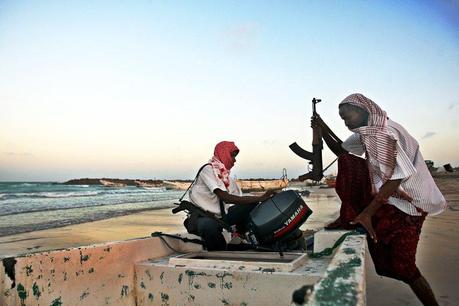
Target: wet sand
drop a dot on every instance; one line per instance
(114, 229)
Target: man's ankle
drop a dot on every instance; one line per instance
(423, 291)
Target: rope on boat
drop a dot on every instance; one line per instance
(184, 239)
(325, 252)
(329, 251)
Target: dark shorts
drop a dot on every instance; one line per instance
(210, 230)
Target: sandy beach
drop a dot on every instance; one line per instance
(113, 229)
(437, 257)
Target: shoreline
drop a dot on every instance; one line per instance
(141, 224)
(58, 223)
(119, 228)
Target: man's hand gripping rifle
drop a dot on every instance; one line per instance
(315, 158)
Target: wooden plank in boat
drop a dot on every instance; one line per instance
(235, 260)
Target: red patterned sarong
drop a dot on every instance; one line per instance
(398, 233)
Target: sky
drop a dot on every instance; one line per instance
(145, 89)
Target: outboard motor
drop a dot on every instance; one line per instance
(275, 219)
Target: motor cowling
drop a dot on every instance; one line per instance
(277, 217)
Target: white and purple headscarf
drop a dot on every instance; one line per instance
(380, 146)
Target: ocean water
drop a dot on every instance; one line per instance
(26, 206)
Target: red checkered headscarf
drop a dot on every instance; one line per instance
(379, 144)
(222, 161)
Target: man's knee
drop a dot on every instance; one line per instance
(384, 272)
(208, 226)
(405, 272)
(211, 232)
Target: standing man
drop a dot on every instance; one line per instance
(389, 193)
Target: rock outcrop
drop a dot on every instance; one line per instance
(110, 182)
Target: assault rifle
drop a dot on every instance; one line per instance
(315, 158)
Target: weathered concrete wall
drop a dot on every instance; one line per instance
(158, 283)
(344, 282)
(94, 275)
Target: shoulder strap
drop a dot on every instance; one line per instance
(222, 208)
(222, 205)
(194, 181)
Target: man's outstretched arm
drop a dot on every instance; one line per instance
(381, 198)
(332, 141)
(234, 199)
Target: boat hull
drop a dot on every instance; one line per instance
(138, 272)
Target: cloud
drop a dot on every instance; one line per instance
(242, 37)
(270, 142)
(428, 135)
(16, 153)
(452, 105)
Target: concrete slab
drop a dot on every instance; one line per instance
(344, 282)
(100, 274)
(185, 285)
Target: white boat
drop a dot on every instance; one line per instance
(261, 185)
(167, 271)
(180, 185)
(245, 185)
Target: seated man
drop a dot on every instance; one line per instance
(214, 190)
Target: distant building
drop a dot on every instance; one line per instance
(448, 168)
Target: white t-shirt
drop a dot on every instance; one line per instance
(202, 193)
(411, 169)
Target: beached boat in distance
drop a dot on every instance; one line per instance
(261, 185)
(250, 185)
(330, 181)
(179, 185)
(253, 185)
(168, 271)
